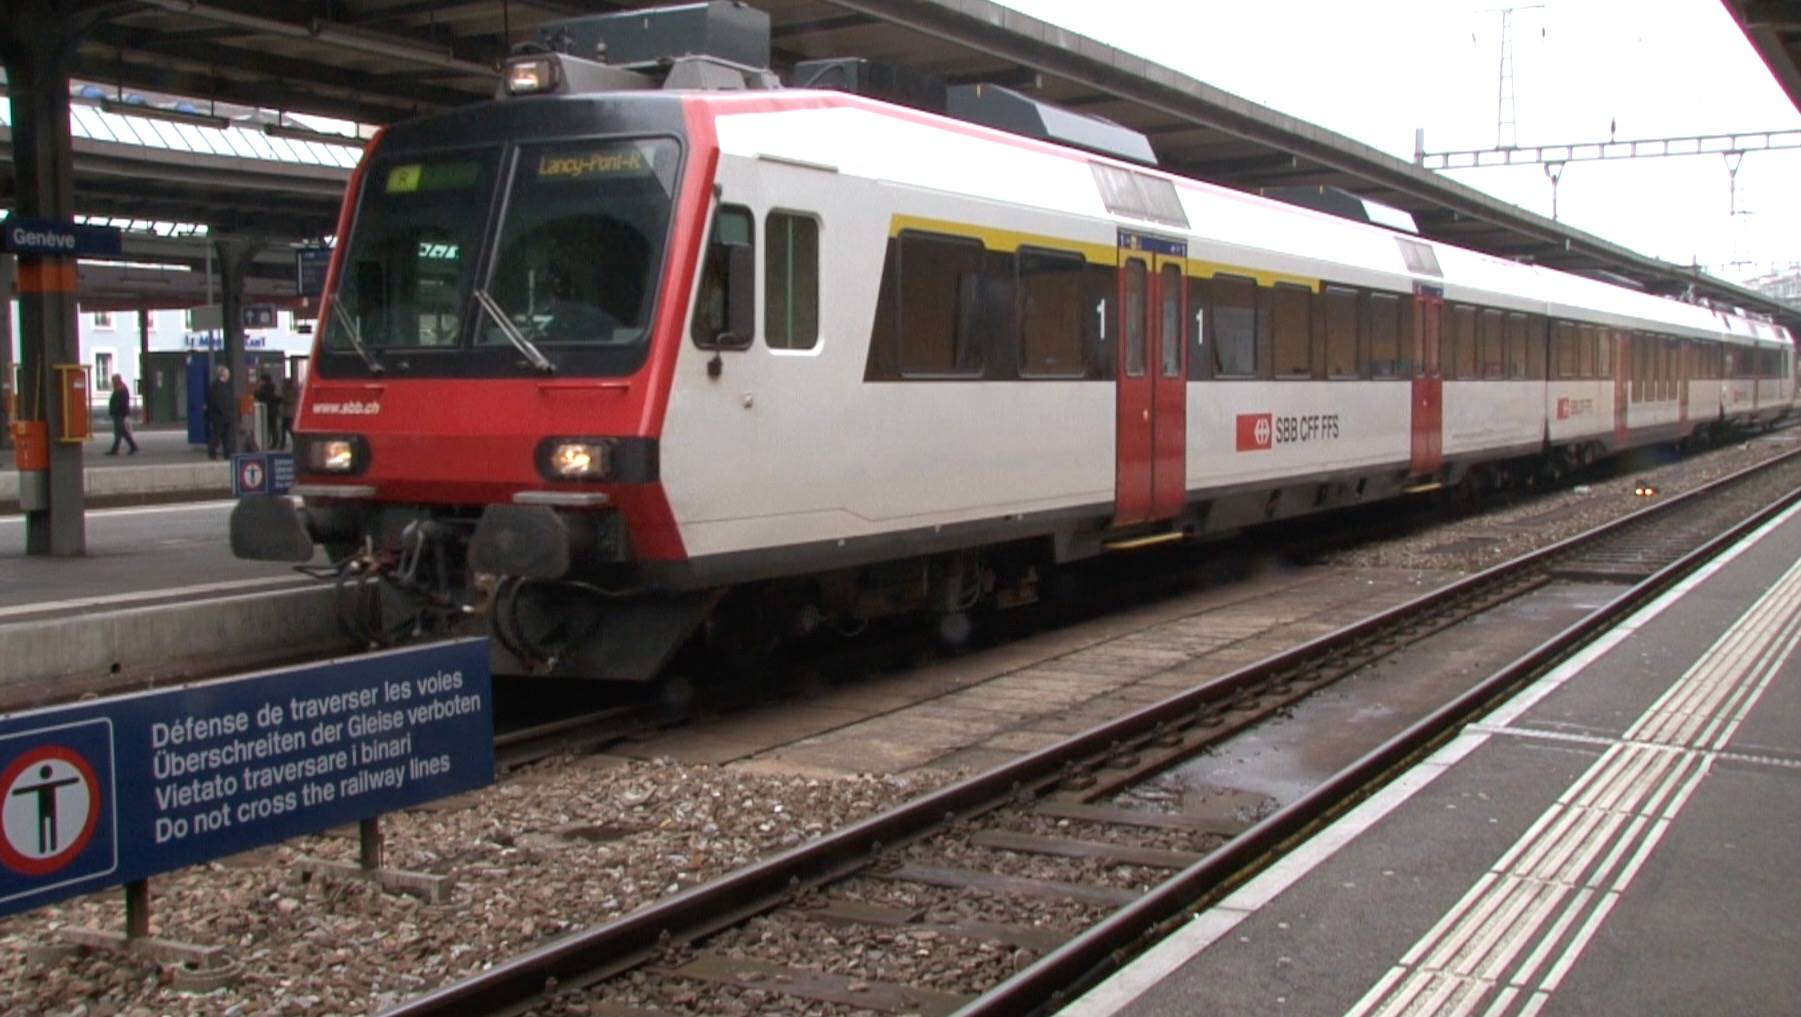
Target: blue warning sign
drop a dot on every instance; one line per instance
(254, 473)
(57, 821)
(111, 791)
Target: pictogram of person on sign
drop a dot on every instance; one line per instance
(46, 789)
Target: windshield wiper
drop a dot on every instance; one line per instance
(514, 336)
(354, 333)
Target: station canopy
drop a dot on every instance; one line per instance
(378, 61)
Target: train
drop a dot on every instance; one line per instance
(653, 359)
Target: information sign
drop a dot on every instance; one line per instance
(50, 237)
(310, 264)
(254, 473)
(112, 791)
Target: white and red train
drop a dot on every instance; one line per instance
(627, 372)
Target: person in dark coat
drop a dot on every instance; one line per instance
(119, 408)
(221, 415)
(290, 408)
(268, 406)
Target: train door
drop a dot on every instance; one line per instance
(1151, 420)
(1428, 385)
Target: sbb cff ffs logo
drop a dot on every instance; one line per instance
(1260, 431)
(1256, 431)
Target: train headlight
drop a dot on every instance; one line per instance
(334, 454)
(576, 459)
(531, 75)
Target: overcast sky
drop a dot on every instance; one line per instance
(1376, 70)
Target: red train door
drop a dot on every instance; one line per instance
(1150, 480)
(1428, 385)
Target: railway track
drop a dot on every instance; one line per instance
(1102, 878)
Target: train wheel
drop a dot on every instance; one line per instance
(955, 628)
(677, 692)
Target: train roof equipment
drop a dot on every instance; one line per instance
(720, 45)
(1007, 110)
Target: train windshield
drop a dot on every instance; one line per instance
(406, 279)
(567, 283)
(581, 243)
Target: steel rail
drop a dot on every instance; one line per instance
(591, 954)
(1077, 962)
(513, 749)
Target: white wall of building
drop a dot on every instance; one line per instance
(110, 343)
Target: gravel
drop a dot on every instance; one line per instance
(1490, 537)
(568, 844)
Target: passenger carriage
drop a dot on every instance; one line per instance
(619, 373)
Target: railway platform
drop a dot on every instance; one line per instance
(158, 593)
(1616, 839)
(166, 468)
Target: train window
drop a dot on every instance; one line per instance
(1385, 335)
(1604, 354)
(1463, 342)
(580, 248)
(939, 291)
(1535, 346)
(1051, 313)
(1138, 195)
(1234, 327)
(1419, 257)
(1585, 352)
(1293, 357)
(1100, 331)
(1641, 366)
(1137, 320)
(1490, 335)
(411, 259)
(1563, 350)
(791, 282)
(1161, 199)
(733, 227)
(1198, 358)
(1431, 335)
(1517, 366)
(1170, 340)
(1341, 332)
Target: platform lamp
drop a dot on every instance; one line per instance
(176, 116)
(296, 132)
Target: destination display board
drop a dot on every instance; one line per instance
(107, 792)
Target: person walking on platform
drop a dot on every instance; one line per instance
(119, 408)
(290, 408)
(221, 415)
(268, 411)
